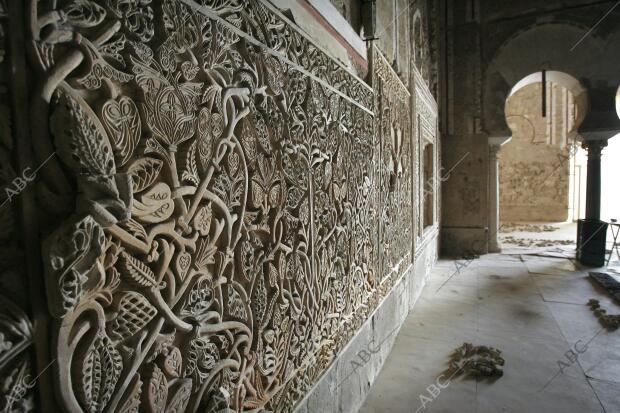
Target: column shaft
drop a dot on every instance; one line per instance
(593, 181)
(494, 199)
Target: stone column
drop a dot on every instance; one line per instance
(600, 124)
(593, 181)
(592, 232)
(495, 144)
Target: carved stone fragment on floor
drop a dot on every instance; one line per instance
(476, 362)
(609, 321)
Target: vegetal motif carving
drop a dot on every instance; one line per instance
(393, 129)
(221, 192)
(121, 120)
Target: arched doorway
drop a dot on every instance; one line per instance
(542, 168)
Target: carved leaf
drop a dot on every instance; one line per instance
(101, 369)
(135, 229)
(189, 70)
(274, 275)
(184, 261)
(142, 51)
(173, 362)
(200, 299)
(132, 403)
(258, 193)
(235, 305)
(154, 206)
(274, 195)
(190, 174)
(139, 272)
(102, 71)
(202, 221)
(122, 122)
(169, 113)
(80, 137)
(248, 140)
(180, 391)
(204, 254)
(113, 50)
(233, 163)
(263, 135)
(144, 172)
(259, 299)
(340, 191)
(157, 393)
(213, 94)
(134, 312)
(84, 13)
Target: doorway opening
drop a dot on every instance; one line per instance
(542, 169)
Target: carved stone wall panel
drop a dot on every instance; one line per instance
(425, 129)
(212, 203)
(393, 131)
(264, 24)
(422, 39)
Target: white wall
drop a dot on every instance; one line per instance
(610, 185)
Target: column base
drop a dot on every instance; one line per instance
(591, 242)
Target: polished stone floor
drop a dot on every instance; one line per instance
(530, 304)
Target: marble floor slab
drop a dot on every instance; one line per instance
(533, 309)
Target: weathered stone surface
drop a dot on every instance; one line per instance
(535, 164)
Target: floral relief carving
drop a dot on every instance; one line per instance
(393, 129)
(228, 203)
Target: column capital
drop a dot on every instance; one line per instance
(493, 150)
(495, 144)
(594, 147)
(498, 140)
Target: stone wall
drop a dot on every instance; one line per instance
(215, 211)
(535, 163)
(487, 48)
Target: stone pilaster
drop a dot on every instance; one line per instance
(495, 144)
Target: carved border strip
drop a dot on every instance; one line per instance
(393, 131)
(346, 71)
(426, 129)
(360, 94)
